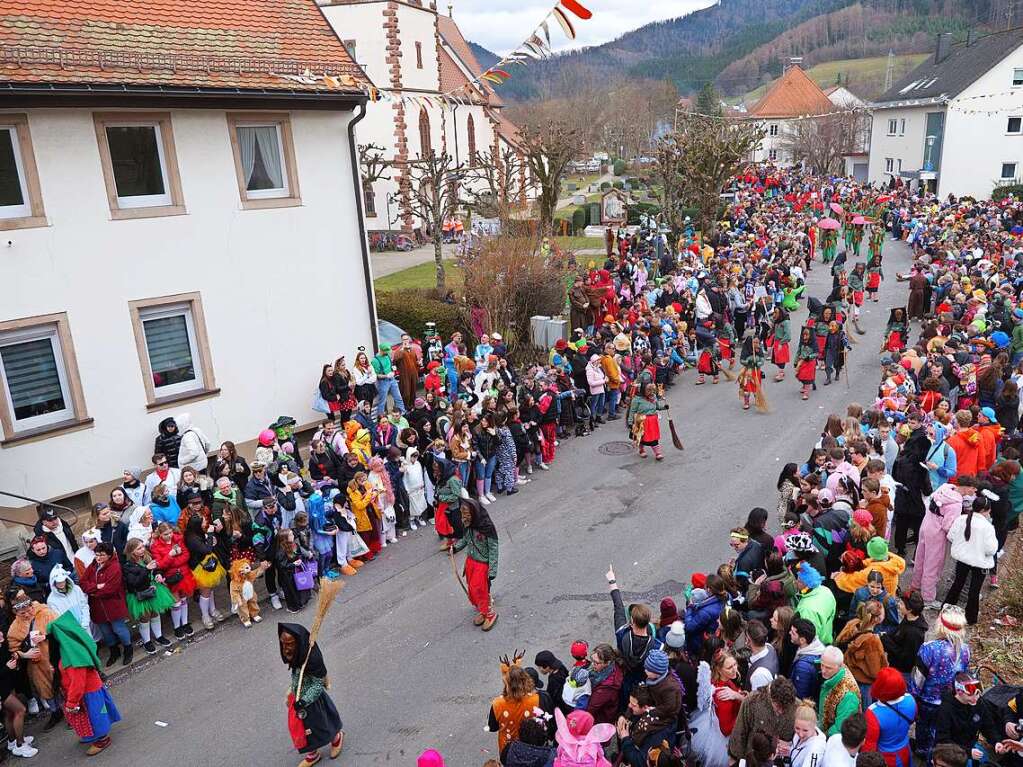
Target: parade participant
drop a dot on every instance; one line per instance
(835, 347)
(146, 595)
(779, 339)
(313, 720)
(889, 718)
(751, 378)
(857, 284)
(88, 706)
(646, 422)
(806, 362)
(895, 332)
(938, 661)
(480, 569)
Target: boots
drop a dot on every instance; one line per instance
(657, 453)
(827, 377)
(129, 652)
(115, 654)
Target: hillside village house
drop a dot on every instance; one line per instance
(181, 230)
(792, 96)
(409, 49)
(955, 123)
(857, 158)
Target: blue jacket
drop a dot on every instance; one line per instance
(944, 456)
(41, 566)
(805, 672)
(701, 618)
(890, 604)
(169, 513)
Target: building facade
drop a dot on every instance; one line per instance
(410, 50)
(789, 99)
(181, 227)
(955, 123)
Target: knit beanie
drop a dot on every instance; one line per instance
(877, 549)
(430, 758)
(862, 517)
(676, 636)
(888, 686)
(656, 662)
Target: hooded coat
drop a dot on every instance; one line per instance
(73, 601)
(168, 442)
(194, 445)
(914, 479)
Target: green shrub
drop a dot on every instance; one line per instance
(642, 209)
(578, 220)
(619, 184)
(605, 185)
(999, 193)
(411, 309)
(619, 167)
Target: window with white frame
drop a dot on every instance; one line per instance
(902, 127)
(35, 380)
(889, 164)
(1017, 77)
(772, 154)
(261, 150)
(172, 348)
(899, 168)
(773, 129)
(893, 125)
(13, 187)
(1014, 126)
(139, 164)
(1008, 170)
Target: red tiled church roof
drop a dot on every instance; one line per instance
(452, 35)
(237, 44)
(793, 95)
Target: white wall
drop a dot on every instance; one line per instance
(907, 146)
(363, 23)
(416, 25)
(778, 143)
(283, 289)
(976, 145)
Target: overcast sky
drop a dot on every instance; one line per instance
(501, 25)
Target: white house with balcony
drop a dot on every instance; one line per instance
(954, 124)
(180, 230)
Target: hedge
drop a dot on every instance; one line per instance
(578, 220)
(619, 185)
(411, 309)
(641, 209)
(999, 193)
(605, 185)
(619, 167)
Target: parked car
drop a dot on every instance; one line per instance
(389, 333)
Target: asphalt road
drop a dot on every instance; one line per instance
(409, 671)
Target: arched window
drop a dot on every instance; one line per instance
(424, 134)
(470, 128)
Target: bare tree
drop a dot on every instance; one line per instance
(548, 148)
(821, 143)
(701, 156)
(372, 164)
(434, 197)
(492, 184)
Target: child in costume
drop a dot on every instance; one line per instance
(835, 347)
(243, 592)
(806, 362)
(380, 481)
(726, 341)
(874, 277)
(779, 341)
(857, 284)
(645, 420)
(88, 706)
(751, 378)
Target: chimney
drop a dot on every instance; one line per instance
(451, 11)
(943, 48)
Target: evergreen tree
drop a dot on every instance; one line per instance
(707, 101)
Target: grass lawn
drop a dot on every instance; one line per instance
(864, 76)
(579, 243)
(421, 276)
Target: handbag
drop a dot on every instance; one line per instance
(320, 404)
(304, 577)
(146, 594)
(356, 546)
(210, 563)
(174, 578)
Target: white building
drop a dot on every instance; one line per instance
(181, 231)
(410, 50)
(857, 159)
(792, 96)
(955, 123)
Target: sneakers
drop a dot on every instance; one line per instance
(33, 704)
(257, 618)
(187, 628)
(544, 467)
(529, 468)
(163, 641)
(512, 491)
(275, 602)
(149, 647)
(994, 582)
(934, 604)
(412, 525)
(179, 633)
(492, 497)
(218, 616)
(24, 749)
(28, 740)
(484, 500)
(207, 621)
(247, 624)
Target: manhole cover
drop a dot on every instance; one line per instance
(616, 448)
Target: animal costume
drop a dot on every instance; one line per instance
(243, 592)
(508, 714)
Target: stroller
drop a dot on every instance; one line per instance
(583, 413)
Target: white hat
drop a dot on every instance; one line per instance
(495, 336)
(676, 636)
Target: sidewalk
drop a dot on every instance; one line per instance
(384, 264)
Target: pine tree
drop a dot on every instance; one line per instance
(707, 101)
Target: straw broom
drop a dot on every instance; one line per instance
(329, 589)
(759, 400)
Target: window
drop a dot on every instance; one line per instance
(772, 154)
(900, 165)
(889, 165)
(419, 55)
(264, 160)
(773, 129)
(1017, 77)
(470, 128)
(893, 125)
(902, 127)
(1015, 125)
(41, 390)
(425, 148)
(170, 334)
(1008, 170)
(21, 202)
(369, 199)
(350, 47)
(140, 166)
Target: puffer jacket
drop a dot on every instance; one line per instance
(980, 549)
(194, 445)
(167, 443)
(700, 619)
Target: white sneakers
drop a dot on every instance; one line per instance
(484, 500)
(33, 706)
(544, 466)
(275, 602)
(492, 497)
(25, 749)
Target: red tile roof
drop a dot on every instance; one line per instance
(452, 35)
(508, 130)
(452, 78)
(793, 95)
(238, 44)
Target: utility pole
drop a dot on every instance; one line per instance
(1010, 12)
(889, 74)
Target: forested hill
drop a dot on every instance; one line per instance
(740, 44)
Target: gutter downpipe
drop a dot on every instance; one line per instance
(357, 183)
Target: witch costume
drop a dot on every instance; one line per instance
(313, 720)
(88, 706)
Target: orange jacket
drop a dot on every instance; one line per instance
(967, 446)
(990, 435)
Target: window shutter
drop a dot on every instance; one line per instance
(170, 353)
(32, 378)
